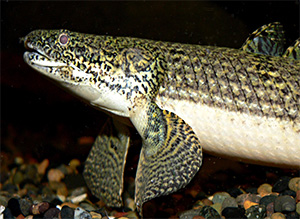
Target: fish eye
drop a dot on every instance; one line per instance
(63, 39)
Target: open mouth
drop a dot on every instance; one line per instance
(37, 58)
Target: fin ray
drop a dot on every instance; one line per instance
(104, 167)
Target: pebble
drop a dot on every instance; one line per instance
(69, 204)
(129, 202)
(66, 170)
(229, 202)
(198, 204)
(233, 212)
(132, 215)
(284, 203)
(87, 206)
(288, 192)
(267, 200)
(2, 208)
(14, 206)
(298, 196)
(234, 192)
(270, 209)
(44, 196)
(252, 190)
(264, 189)
(278, 215)
(66, 212)
(19, 161)
(209, 213)
(41, 169)
(256, 211)
(249, 204)
(25, 205)
(198, 217)
(96, 215)
(79, 213)
(294, 184)
(74, 163)
(18, 178)
(39, 208)
(3, 200)
(52, 213)
(31, 172)
(282, 184)
(217, 207)
(207, 202)
(55, 175)
(219, 197)
(247, 197)
(7, 213)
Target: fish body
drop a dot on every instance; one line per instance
(180, 98)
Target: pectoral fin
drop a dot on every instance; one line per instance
(170, 157)
(105, 164)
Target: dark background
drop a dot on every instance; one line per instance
(39, 120)
(32, 107)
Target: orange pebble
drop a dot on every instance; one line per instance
(43, 166)
(198, 217)
(69, 204)
(20, 216)
(248, 204)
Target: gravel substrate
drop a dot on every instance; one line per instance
(39, 190)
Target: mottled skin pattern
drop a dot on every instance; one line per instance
(135, 78)
(237, 81)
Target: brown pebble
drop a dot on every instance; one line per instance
(55, 175)
(248, 204)
(20, 216)
(207, 202)
(69, 204)
(40, 208)
(43, 166)
(198, 217)
(264, 189)
(294, 184)
(298, 196)
(278, 215)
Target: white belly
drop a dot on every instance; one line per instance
(244, 137)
